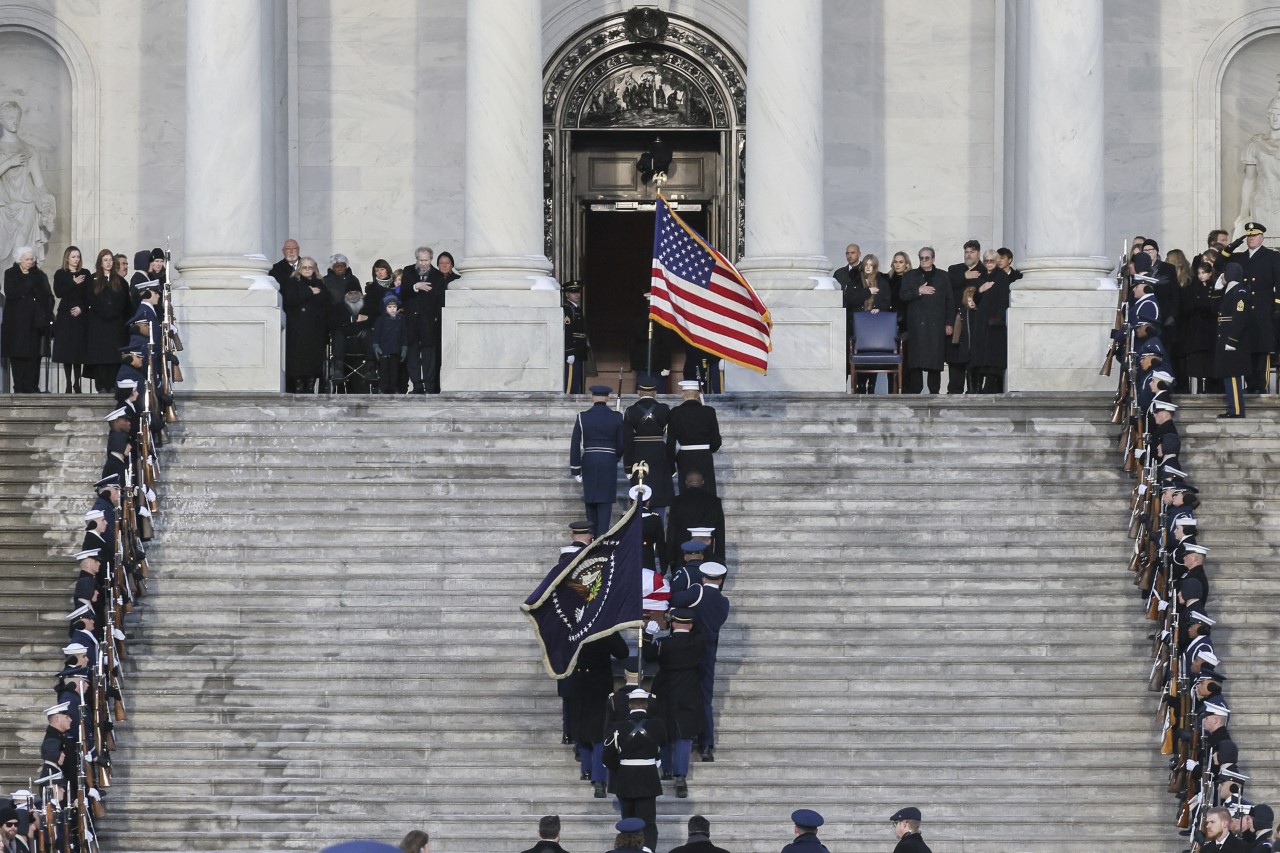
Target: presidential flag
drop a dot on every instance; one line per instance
(700, 296)
(595, 595)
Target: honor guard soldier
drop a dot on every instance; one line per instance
(806, 823)
(906, 824)
(631, 753)
(1231, 351)
(593, 457)
(631, 834)
(687, 574)
(644, 440)
(693, 436)
(56, 754)
(710, 612)
(702, 367)
(592, 686)
(576, 346)
(579, 538)
(678, 691)
(1260, 276)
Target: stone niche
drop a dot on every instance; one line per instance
(1249, 84)
(34, 76)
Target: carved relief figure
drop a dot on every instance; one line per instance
(645, 97)
(1260, 194)
(26, 205)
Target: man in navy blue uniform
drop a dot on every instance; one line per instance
(710, 612)
(807, 822)
(1231, 353)
(593, 457)
(576, 345)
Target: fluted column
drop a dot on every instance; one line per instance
(227, 306)
(1058, 318)
(784, 259)
(503, 327)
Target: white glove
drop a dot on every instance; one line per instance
(665, 373)
(117, 633)
(1192, 764)
(569, 360)
(1163, 606)
(577, 477)
(1228, 348)
(721, 364)
(651, 628)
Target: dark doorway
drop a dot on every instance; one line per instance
(616, 264)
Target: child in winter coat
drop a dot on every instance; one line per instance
(390, 345)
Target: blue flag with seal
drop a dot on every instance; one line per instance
(595, 595)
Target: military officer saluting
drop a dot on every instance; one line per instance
(593, 457)
(1260, 276)
(576, 346)
(1231, 350)
(693, 436)
(644, 440)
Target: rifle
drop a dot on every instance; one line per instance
(1121, 297)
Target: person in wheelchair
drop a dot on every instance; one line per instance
(352, 370)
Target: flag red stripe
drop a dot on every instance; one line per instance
(695, 295)
(746, 359)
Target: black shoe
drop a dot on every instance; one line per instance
(682, 787)
(1228, 415)
(566, 740)
(599, 793)
(585, 777)
(708, 754)
(666, 775)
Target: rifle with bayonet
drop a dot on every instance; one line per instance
(1122, 292)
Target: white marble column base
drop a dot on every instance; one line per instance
(503, 340)
(233, 339)
(1058, 338)
(808, 344)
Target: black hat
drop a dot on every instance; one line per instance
(600, 390)
(1142, 262)
(630, 824)
(682, 614)
(8, 813)
(645, 382)
(579, 527)
(157, 254)
(574, 286)
(1263, 816)
(1254, 228)
(806, 819)
(908, 813)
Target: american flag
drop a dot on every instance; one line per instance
(699, 295)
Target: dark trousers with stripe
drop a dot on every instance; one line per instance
(573, 376)
(1233, 393)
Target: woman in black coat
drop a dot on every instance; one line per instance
(71, 286)
(306, 331)
(28, 312)
(989, 340)
(1198, 326)
(106, 318)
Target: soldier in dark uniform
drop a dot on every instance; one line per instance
(593, 457)
(806, 823)
(1260, 268)
(687, 574)
(592, 685)
(57, 759)
(631, 753)
(576, 346)
(694, 507)
(679, 696)
(702, 367)
(906, 824)
(644, 440)
(693, 437)
(631, 833)
(1231, 359)
(710, 612)
(579, 538)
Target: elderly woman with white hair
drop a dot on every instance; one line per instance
(28, 317)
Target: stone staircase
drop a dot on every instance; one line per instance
(930, 607)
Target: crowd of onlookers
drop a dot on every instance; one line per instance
(382, 336)
(80, 320)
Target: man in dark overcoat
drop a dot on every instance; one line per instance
(677, 687)
(693, 436)
(931, 309)
(592, 685)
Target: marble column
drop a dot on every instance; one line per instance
(503, 326)
(227, 306)
(784, 200)
(1058, 317)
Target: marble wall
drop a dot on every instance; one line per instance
(381, 109)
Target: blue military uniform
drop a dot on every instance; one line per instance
(710, 612)
(593, 455)
(807, 821)
(576, 345)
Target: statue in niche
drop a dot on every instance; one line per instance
(26, 205)
(1260, 194)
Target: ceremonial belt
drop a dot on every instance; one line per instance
(693, 447)
(598, 450)
(649, 438)
(639, 762)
